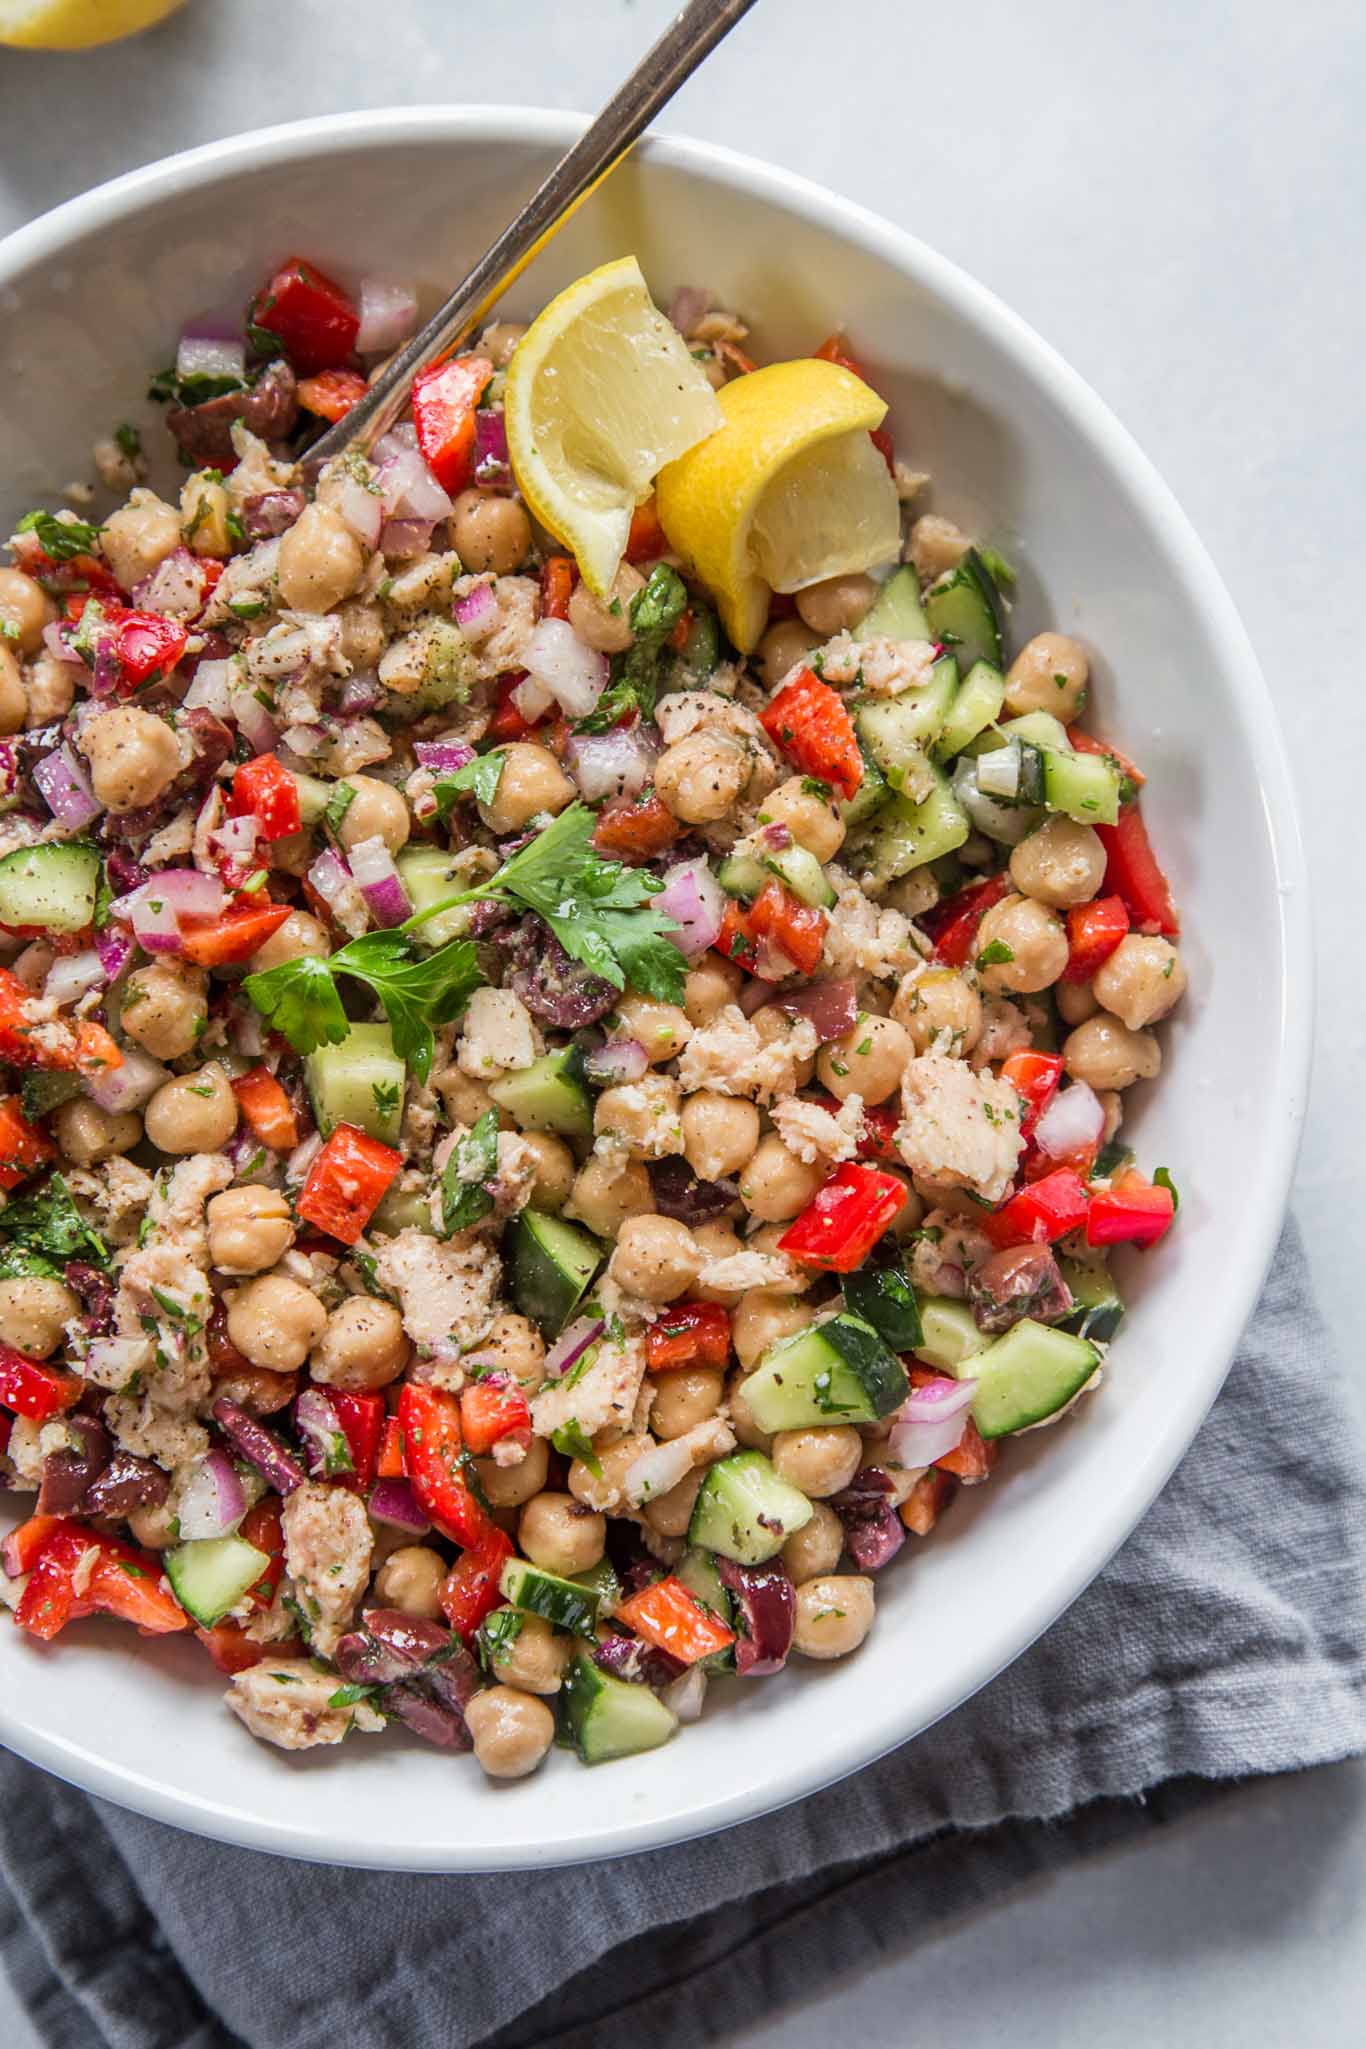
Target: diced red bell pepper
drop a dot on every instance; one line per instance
(267, 1109)
(635, 828)
(120, 1581)
(20, 1550)
(362, 1418)
(471, 1590)
(668, 1616)
(736, 940)
(1035, 1078)
(796, 929)
(972, 1458)
(36, 1390)
(265, 789)
(1094, 930)
(558, 577)
(434, 1455)
(1042, 1212)
(263, 1528)
(927, 1500)
(232, 1650)
(23, 1146)
(834, 349)
(310, 313)
(391, 1466)
(84, 574)
(841, 1225)
(1132, 872)
(489, 1413)
(347, 1182)
(147, 647)
(445, 400)
(1087, 743)
(688, 1334)
(84, 1048)
(952, 925)
(332, 393)
(1132, 1212)
(809, 722)
(507, 722)
(647, 540)
(882, 441)
(234, 937)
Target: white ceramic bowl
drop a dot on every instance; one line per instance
(1022, 453)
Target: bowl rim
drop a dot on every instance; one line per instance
(883, 1729)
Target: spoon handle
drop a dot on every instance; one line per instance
(653, 83)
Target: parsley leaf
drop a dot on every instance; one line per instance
(419, 993)
(347, 1696)
(166, 388)
(473, 1161)
(571, 1440)
(299, 998)
(1162, 1179)
(128, 440)
(656, 609)
(60, 539)
(478, 779)
(339, 803)
(48, 1226)
(997, 955)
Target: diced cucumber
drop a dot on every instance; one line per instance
(700, 1574)
(547, 1096)
(602, 1583)
(744, 875)
(1081, 786)
(701, 650)
(897, 731)
(557, 1601)
(609, 1717)
(884, 1297)
(906, 835)
(42, 1089)
(744, 1511)
(430, 875)
(871, 792)
(896, 613)
(1099, 1309)
(951, 1339)
(211, 1575)
(1038, 728)
(53, 885)
(1028, 1375)
(359, 1082)
(314, 796)
(963, 612)
(403, 1209)
(552, 1264)
(839, 1372)
(981, 695)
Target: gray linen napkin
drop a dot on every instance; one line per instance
(1227, 1638)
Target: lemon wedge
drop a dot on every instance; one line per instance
(77, 24)
(601, 393)
(790, 491)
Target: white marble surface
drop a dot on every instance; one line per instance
(1172, 195)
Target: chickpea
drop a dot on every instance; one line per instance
(819, 1461)
(709, 987)
(701, 777)
(86, 1134)
(488, 531)
(34, 1313)
(606, 624)
(533, 1656)
(1141, 981)
(275, 1322)
(602, 1489)
(662, 1028)
(776, 1184)
(1061, 863)
(513, 1345)
(1107, 1055)
(532, 781)
(363, 1346)
(165, 1008)
(939, 1000)
(834, 1614)
(512, 1731)
(911, 1215)
(868, 1060)
(13, 696)
(644, 1116)
(787, 642)
(554, 1170)
(249, 1229)
(204, 516)
(655, 1258)
(742, 1420)
(499, 340)
(138, 537)
(814, 1550)
(1033, 937)
(195, 1113)
(156, 1528)
(301, 936)
(560, 1535)
(716, 1240)
(1050, 673)
(670, 1515)
(50, 688)
(258, 1391)
(835, 604)
(363, 637)
(466, 1099)
(936, 546)
(720, 1133)
(377, 811)
(510, 1486)
(761, 1318)
(607, 1191)
(684, 1398)
(411, 1578)
(133, 756)
(812, 820)
(25, 606)
(1076, 1002)
(320, 561)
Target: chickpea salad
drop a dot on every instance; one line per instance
(564, 1084)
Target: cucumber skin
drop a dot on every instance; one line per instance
(732, 1529)
(533, 1591)
(548, 1285)
(1010, 1367)
(636, 1719)
(897, 612)
(866, 1380)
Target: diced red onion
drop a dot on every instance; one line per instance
(1073, 1121)
(211, 688)
(74, 975)
(128, 1086)
(154, 921)
(615, 764)
(246, 1033)
(202, 355)
(361, 508)
(57, 641)
(400, 538)
(690, 304)
(115, 949)
(931, 1421)
(532, 699)
(444, 756)
(254, 721)
(334, 883)
(259, 1447)
(583, 1332)
(685, 1696)
(190, 894)
(213, 1500)
(656, 1471)
(66, 789)
(361, 692)
(777, 838)
(477, 610)
(409, 489)
(388, 315)
(393, 1501)
(574, 673)
(492, 463)
(372, 868)
(832, 1007)
(620, 1060)
(326, 1447)
(694, 898)
(236, 837)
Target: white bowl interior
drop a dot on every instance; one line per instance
(1023, 455)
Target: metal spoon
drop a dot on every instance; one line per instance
(653, 83)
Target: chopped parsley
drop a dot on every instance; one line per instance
(347, 1696)
(419, 993)
(40, 1233)
(473, 1161)
(497, 1635)
(478, 779)
(573, 1442)
(655, 611)
(386, 1094)
(996, 955)
(61, 540)
(128, 441)
(1163, 1179)
(167, 389)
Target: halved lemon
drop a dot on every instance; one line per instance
(789, 492)
(77, 24)
(601, 392)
